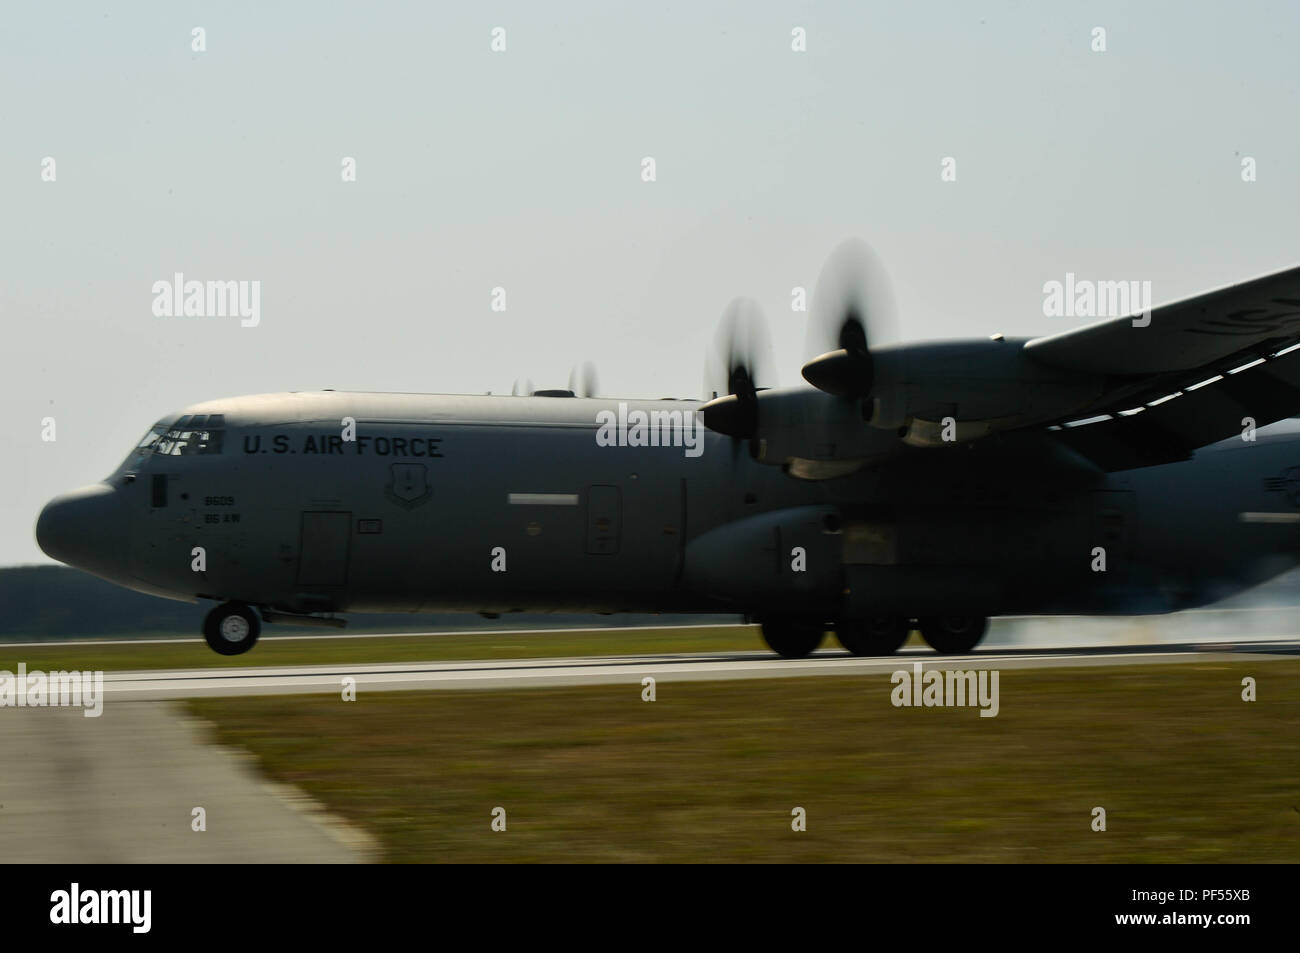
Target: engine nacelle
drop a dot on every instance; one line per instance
(952, 391)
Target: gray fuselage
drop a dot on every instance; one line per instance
(497, 504)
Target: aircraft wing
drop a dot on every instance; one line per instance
(1261, 314)
(1200, 371)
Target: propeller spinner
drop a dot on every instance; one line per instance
(852, 308)
(738, 365)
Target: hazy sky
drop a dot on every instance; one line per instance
(522, 169)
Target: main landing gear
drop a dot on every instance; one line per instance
(881, 635)
(231, 628)
(793, 638)
(953, 634)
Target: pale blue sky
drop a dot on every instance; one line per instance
(522, 170)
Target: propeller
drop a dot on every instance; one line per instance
(582, 380)
(737, 366)
(852, 309)
(521, 388)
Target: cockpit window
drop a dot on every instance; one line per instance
(190, 435)
(187, 441)
(142, 449)
(149, 439)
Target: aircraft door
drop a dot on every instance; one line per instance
(604, 519)
(323, 549)
(163, 525)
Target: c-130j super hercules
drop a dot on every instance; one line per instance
(1109, 469)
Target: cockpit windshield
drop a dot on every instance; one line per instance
(200, 433)
(190, 435)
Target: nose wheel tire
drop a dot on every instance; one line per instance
(231, 628)
(882, 635)
(793, 638)
(953, 634)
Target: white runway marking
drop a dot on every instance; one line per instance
(630, 669)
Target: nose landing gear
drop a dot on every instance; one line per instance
(231, 628)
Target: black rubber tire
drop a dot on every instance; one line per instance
(222, 628)
(882, 635)
(793, 638)
(953, 635)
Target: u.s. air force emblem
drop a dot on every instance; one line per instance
(409, 486)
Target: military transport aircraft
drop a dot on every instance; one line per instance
(1114, 468)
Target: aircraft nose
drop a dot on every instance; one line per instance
(86, 529)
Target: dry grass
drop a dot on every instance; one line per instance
(1186, 770)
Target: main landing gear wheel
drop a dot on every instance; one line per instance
(953, 634)
(231, 628)
(882, 635)
(793, 638)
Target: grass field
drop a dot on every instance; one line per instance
(1186, 770)
(336, 649)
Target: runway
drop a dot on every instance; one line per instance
(631, 669)
(123, 788)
